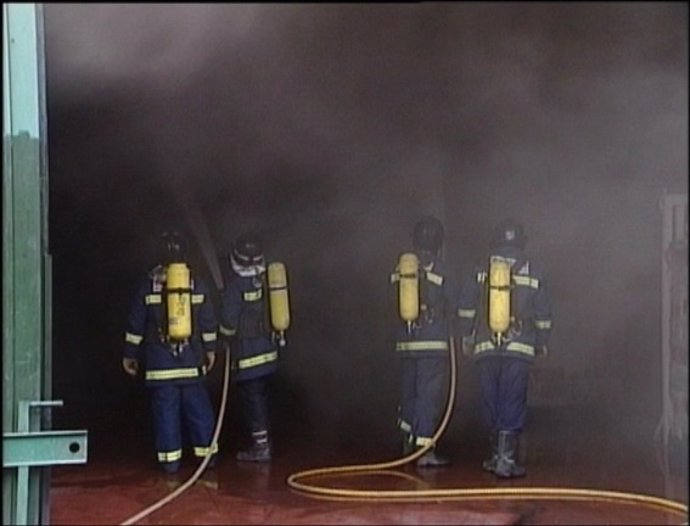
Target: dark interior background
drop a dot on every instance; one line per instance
(330, 129)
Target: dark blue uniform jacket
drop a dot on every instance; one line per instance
(244, 322)
(530, 308)
(145, 336)
(438, 305)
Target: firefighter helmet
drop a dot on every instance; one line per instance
(174, 245)
(428, 235)
(247, 251)
(509, 233)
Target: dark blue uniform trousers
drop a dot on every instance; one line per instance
(174, 404)
(504, 392)
(254, 399)
(423, 382)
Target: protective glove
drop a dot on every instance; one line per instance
(131, 366)
(542, 350)
(210, 360)
(468, 345)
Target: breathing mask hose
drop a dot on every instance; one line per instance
(195, 476)
(513, 493)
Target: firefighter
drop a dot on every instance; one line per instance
(171, 335)
(505, 321)
(245, 327)
(422, 339)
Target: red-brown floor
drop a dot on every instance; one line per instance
(110, 489)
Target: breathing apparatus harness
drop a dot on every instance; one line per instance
(169, 329)
(177, 285)
(279, 302)
(275, 318)
(173, 282)
(499, 299)
(419, 305)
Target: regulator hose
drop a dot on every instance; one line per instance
(295, 480)
(199, 470)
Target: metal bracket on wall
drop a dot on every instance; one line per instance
(25, 449)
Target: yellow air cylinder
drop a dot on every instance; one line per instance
(278, 297)
(499, 296)
(408, 291)
(179, 302)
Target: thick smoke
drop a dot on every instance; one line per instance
(330, 129)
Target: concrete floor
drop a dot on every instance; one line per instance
(118, 482)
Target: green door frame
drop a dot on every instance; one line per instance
(29, 447)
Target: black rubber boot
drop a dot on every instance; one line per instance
(171, 468)
(173, 480)
(490, 463)
(508, 444)
(256, 453)
(260, 451)
(431, 459)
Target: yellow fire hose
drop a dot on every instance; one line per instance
(329, 493)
